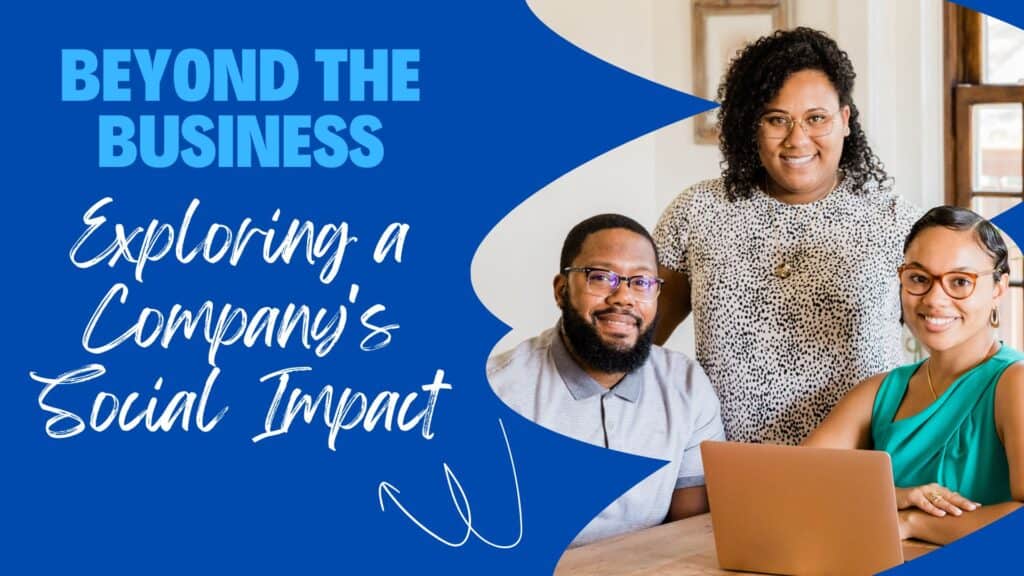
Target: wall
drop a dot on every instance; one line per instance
(895, 48)
(530, 238)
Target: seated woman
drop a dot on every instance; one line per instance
(953, 423)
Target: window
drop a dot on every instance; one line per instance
(984, 145)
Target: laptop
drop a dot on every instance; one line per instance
(796, 510)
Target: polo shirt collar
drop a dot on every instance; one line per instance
(580, 385)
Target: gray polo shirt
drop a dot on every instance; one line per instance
(663, 410)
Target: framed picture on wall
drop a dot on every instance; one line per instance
(720, 29)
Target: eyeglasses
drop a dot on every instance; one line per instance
(604, 283)
(958, 285)
(778, 125)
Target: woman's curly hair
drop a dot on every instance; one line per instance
(755, 76)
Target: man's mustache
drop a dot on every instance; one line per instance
(620, 311)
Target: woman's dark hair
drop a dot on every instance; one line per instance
(960, 219)
(755, 76)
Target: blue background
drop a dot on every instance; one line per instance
(506, 107)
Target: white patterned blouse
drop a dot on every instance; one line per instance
(792, 304)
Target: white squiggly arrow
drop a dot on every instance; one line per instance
(459, 501)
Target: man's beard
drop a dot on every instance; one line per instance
(594, 353)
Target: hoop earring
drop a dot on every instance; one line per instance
(993, 318)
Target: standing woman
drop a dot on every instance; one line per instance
(784, 260)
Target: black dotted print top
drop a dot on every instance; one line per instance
(792, 304)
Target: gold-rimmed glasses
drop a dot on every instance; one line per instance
(778, 125)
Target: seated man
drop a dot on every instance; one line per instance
(596, 377)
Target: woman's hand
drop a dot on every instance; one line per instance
(934, 499)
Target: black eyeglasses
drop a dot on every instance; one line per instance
(603, 283)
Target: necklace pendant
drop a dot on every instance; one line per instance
(782, 271)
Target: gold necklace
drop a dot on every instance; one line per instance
(784, 269)
(928, 368)
(928, 372)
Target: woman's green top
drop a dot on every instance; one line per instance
(953, 441)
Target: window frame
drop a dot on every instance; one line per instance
(962, 71)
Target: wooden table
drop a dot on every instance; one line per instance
(682, 548)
